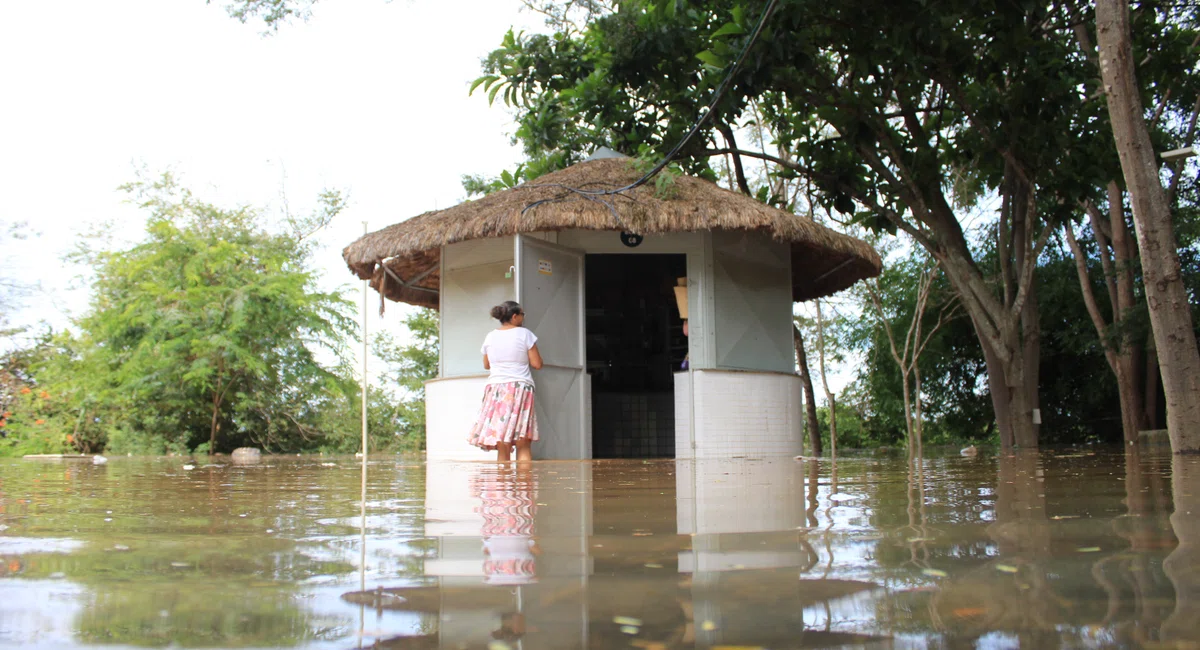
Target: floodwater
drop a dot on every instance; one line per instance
(1080, 548)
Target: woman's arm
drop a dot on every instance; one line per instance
(487, 365)
(535, 358)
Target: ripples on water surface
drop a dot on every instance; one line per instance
(1062, 549)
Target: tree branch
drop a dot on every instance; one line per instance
(738, 170)
(1089, 296)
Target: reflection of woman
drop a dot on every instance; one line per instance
(507, 417)
(507, 505)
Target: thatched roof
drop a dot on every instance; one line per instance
(823, 261)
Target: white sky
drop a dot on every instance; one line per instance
(368, 96)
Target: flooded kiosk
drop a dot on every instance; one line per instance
(606, 281)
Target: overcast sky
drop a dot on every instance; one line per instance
(368, 96)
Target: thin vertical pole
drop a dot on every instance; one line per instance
(363, 495)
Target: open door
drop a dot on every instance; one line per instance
(550, 288)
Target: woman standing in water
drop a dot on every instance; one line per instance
(506, 417)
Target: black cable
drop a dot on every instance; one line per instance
(718, 95)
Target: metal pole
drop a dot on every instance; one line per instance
(363, 496)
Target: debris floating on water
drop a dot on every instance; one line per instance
(936, 573)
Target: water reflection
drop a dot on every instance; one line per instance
(1182, 566)
(1071, 548)
(507, 505)
(599, 555)
(1062, 571)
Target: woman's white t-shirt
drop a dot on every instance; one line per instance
(508, 354)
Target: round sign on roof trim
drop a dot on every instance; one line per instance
(631, 239)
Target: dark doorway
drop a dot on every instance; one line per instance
(635, 343)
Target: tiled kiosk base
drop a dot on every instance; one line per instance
(451, 406)
(737, 413)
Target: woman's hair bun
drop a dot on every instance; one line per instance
(505, 311)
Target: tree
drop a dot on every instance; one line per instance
(892, 114)
(272, 13)
(890, 307)
(810, 398)
(924, 120)
(12, 289)
(410, 366)
(1167, 298)
(210, 325)
(1118, 335)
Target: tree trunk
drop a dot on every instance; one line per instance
(1166, 297)
(1010, 401)
(1020, 406)
(1008, 329)
(918, 414)
(825, 382)
(1133, 416)
(216, 424)
(1026, 335)
(810, 397)
(1120, 354)
(908, 411)
(1152, 379)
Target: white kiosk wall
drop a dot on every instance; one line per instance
(752, 301)
(741, 396)
(472, 282)
(550, 289)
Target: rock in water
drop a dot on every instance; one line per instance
(246, 455)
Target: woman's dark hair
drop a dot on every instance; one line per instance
(505, 311)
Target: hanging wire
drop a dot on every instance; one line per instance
(718, 95)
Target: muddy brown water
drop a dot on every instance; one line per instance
(1079, 548)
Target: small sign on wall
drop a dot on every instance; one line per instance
(545, 267)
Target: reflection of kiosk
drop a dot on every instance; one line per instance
(721, 571)
(596, 275)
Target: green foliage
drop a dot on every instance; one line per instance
(12, 289)
(204, 336)
(44, 390)
(207, 327)
(409, 367)
(890, 115)
(477, 185)
(272, 13)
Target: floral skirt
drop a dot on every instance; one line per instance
(505, 417)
